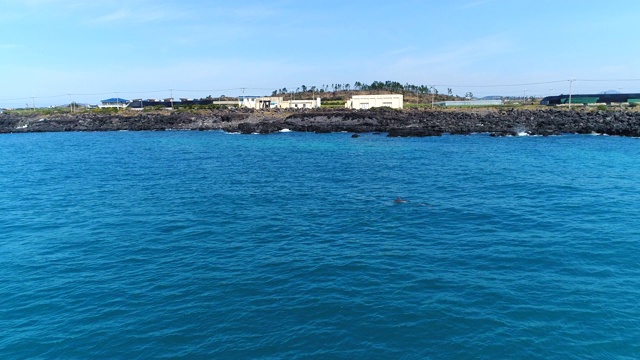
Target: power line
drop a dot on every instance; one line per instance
(33, 98)
(610, 80)
(503, 85)
(215, 90)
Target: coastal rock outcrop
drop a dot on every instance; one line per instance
(261, 127)
(412, 132)
(401, 123)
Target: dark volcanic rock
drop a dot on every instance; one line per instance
(395, 122)
(412, 132)
(546, 132)
(503, 133)
(259, 127)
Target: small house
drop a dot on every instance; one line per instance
(114, 103)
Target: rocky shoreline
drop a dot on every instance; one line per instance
(393, 122)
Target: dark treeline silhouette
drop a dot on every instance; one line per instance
(374, 87)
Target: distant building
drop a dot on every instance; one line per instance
(258, 102)
(169, 103)
(270, 102)
(394, 101)
(469, 103)
(300, 104)
(591, 99)
(114, 103)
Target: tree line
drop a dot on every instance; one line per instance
(377, 86)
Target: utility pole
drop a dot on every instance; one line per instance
(33, 103)
(570, 89)
(433, 96)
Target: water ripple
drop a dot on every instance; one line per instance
(201, 245)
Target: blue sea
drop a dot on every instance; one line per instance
(208, 245)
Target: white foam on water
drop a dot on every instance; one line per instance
(285, 130)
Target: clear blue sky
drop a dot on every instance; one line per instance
(135, 47)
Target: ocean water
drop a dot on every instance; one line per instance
(207, 245)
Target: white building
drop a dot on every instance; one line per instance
(256, 102)
(300, 104)
(270, 102)
(394, 101)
